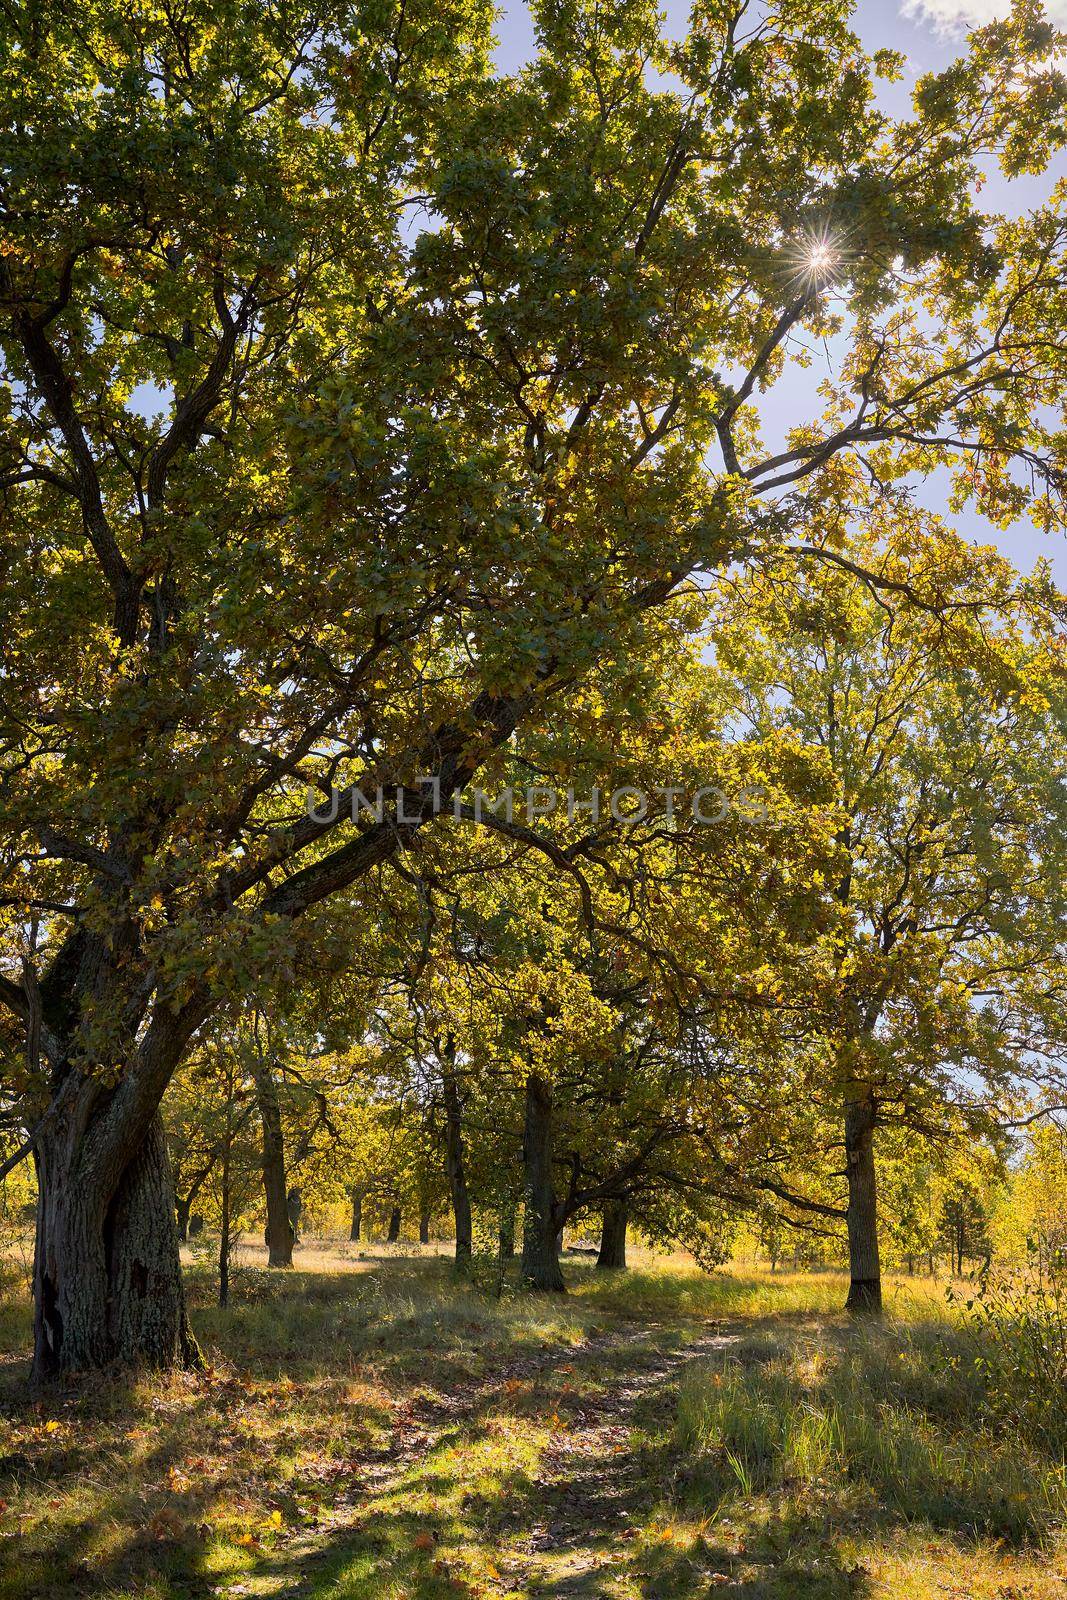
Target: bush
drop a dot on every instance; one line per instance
(1018, 1346)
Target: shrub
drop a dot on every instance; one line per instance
(1018, 1346)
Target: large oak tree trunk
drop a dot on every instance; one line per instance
(613, 1236)
(540, 1249)
(357, 1216)
(280, 1232)
(455, 1165)
(107, 1279)
(394, 1226)
(865, 1273)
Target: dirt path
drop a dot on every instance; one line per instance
(592, 1482)
(589, 1482)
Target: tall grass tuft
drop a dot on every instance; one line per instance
(893, 1416)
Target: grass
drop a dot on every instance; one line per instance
(368, 1428)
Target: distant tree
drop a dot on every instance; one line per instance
(941, 719)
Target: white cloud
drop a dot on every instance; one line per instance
(953, 16)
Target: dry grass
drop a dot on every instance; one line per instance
(368, 1428)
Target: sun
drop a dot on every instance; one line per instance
(818, 257)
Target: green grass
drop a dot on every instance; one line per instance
(882, 1412)
(374, 1429)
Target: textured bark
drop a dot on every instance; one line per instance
(294, 1206)
(613, 1236)
(394, 1226)
(280, 1232)
(224, 1232)
(865, 1273)
(540, 1246)
(455, 1165)
(107, 1278)
(357, 1216)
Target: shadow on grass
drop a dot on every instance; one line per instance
(395, 1431)
(885, 1425)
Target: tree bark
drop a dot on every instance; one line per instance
(294, 1206)
(865, 1273)
(357, 1216)
(182, 1208)
(424, 1224)
(224, 1231)
(107, 1278)
(394, 1226)
(540, 1253)
(613, 1236)
(455, 1165)
(280, 1233)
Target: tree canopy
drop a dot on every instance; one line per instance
(361, 402)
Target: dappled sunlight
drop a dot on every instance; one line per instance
(400, 1433)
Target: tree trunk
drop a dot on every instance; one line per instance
(865, 1274)
(394, 1226)
(224, 1231)
(280, 1234)
(107, 1278)
(182, 1209)
(540, 1255)
(294, 1206)
(424, 1224)
(613, 1236)
(357, 1216)
(507, 1234)
(455, 1165)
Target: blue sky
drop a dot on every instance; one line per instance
(929, 34)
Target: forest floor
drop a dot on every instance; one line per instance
(368, 1428)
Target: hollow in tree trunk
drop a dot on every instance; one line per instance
(613, 1235)
(455, 1164)
(865, 1274)
(280, 1233)
(107, 1278)
(540, 1250)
